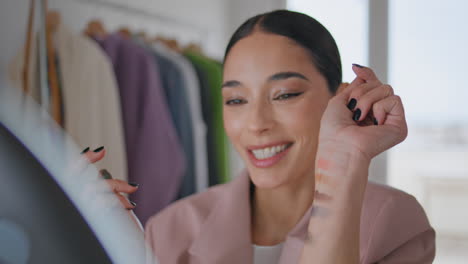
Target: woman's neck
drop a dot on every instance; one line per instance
(276, 211)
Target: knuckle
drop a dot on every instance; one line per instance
(397, 98)
(378, 106)
(388, 89)
(364, 103)
(359, 91)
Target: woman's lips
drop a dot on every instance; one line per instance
(268, 155)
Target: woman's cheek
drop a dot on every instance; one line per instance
(232, 124)
(301, 116)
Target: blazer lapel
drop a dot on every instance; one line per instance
(225, 236)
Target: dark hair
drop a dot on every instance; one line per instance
(305, 31)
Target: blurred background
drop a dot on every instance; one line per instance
(417, 46)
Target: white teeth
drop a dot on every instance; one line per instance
(268, 152)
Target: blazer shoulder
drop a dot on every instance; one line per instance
(181, 221)
(197, 205)
(393, 221)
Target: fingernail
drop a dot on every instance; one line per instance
(352, 103)
(105, 174)
(133, 203)
(357, 114)
(375, 121)
(98, 149)
(134, 184)
(357, 65)
(85, 150)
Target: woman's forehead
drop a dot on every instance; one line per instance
(261, 55)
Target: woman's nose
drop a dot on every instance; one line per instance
(260, 118)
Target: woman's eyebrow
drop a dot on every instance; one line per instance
(286, 75)
(229, 84)
(275, 77)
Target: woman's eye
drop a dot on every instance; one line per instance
(287, 96)
(235, 102)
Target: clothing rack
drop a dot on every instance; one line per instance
(147, 15)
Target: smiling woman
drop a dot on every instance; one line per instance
(307, 140)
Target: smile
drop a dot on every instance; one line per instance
(264, 157)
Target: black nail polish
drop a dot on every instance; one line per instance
(357, 114)
(133, 184)
(375, 121)
(85, 150)
(357, 65)
(105, 174)
(98, 149)
(352, 103)
(133, 203)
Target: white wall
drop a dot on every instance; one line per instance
(237, 11)
(187, 21)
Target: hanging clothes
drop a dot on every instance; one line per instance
(176, 98)
(192, 90)
(92, 107)
(155, 156)
(210, 75)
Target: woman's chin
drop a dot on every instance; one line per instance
(267, 180)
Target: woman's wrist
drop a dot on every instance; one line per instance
(341, 178)
(338, 164)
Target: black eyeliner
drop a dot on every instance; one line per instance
(292, 95)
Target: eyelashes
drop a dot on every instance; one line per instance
(281, 97)
(235, 102)
(286, 96)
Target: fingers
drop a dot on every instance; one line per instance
(129, 205)
(365, 73)
(95, 155)
(346, 89)
(390, 111)
(357, 93)
(366, 97)
(119, 186)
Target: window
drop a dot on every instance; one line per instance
(350, 32)
(427, 60)
(427, 67)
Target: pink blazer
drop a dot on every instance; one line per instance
(214, 227)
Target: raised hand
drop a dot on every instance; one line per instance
(364, 117)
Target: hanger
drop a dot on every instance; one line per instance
(174, 45)
(170, 43)
(193, 47)
(53, 20)
(142, 35)
(95, 28)
(27, 46)
(125, 32)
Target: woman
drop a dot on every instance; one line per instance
(285, 106)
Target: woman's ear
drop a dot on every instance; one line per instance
(342, 87)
